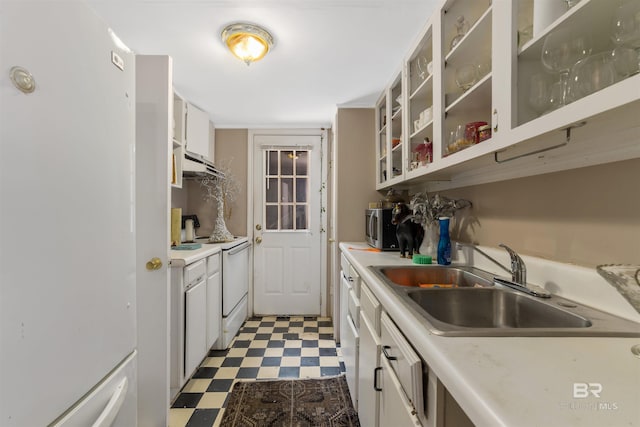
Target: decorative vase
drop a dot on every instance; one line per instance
(430, 242)
(444, 243)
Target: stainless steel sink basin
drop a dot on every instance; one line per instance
(493, 308)
(435, 276)
(465, 301)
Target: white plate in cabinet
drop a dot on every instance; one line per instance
(407, 366)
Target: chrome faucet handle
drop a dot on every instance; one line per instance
(518, 268)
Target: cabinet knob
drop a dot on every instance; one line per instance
(154, 264)
(258, 240)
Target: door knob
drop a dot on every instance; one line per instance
(258, 227)
(258, 240)
(154, 264)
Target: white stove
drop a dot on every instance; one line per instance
(235, 289)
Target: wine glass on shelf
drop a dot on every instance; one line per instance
(561, 49)
(625, 26)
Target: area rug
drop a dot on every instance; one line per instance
(292, 403)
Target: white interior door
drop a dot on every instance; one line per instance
(288, 228)
(154, 114)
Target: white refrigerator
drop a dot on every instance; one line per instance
(67, 219)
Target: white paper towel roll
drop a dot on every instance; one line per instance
(188, 225)
(545, 12)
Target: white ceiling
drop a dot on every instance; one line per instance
(327, 53)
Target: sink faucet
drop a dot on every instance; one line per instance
(518, 269)
(518, 272)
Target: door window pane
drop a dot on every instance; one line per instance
(287, 190)
(301, 217)
(272, 163)
(302, 162)
(286, 217)
(286, 163)
(271, 212)
(301, 190)
(271, 193)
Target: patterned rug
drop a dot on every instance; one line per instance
(292, 403)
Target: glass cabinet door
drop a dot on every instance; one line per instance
(420, 104)
(574, 54)
(397, 136)
(467, 78)
(381, 140)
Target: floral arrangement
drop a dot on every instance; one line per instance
(427, 209)
(223, 191)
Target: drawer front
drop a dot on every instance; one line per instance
(371, 308)
(195, 272)
(213, 264)
(354, 308)
(344, 264)
(404, 361)
(355, 280)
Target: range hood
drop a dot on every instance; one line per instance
(196, 166)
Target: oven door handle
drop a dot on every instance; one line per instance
(238, 248)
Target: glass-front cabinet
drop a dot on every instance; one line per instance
(381, 140)
(390, 135)
(498, 89)
(420, 108)
(467, 84)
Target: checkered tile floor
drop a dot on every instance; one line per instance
(265, 348)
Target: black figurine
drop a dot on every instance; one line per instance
(409, 233)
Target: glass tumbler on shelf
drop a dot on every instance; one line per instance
(539, 91)
(561, 49)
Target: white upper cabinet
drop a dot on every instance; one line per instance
(197, 135)
(391, 140)
(497, 102)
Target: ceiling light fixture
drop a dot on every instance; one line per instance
(247, 42)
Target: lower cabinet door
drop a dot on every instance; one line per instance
(368, 397)
(195, 334)
(349, 348)
(395, 409)
(214, 309)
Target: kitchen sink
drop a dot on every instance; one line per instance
(435, 276)
(493, 308)
(465, 301)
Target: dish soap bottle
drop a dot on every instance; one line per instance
(444, 244)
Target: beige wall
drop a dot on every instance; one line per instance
(586, 216)
(356, 171)
(230, 144)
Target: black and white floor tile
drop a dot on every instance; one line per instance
(265, 348)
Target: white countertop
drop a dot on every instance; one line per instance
(180, 258)
(526, 381)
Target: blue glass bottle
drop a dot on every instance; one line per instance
(444, 244)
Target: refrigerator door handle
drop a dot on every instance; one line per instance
(110, 412)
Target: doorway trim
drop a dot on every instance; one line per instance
(323, 201)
